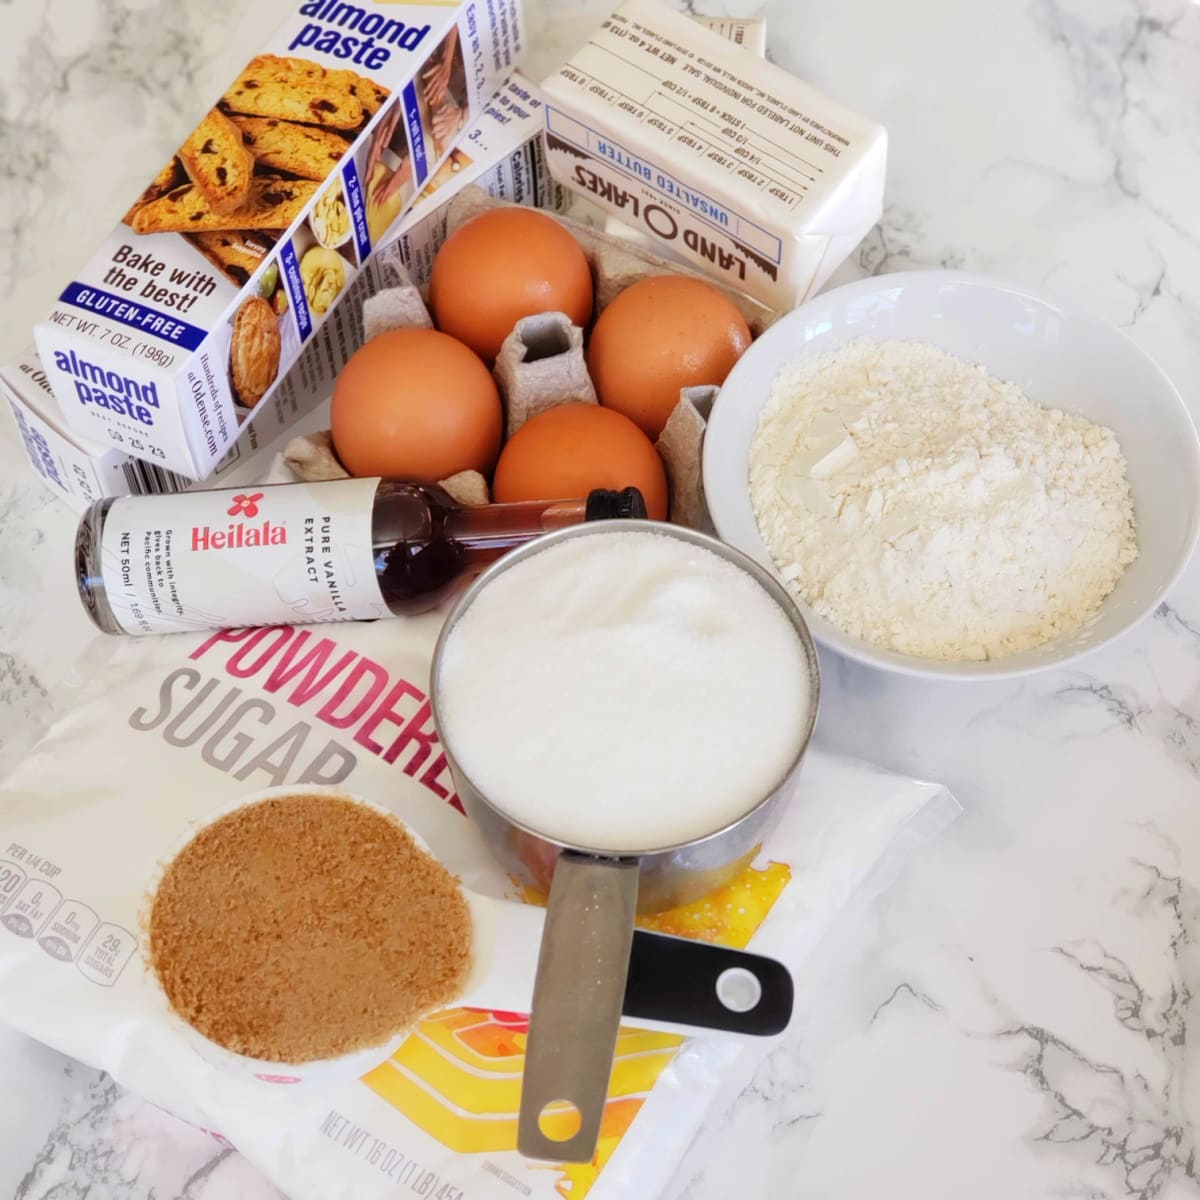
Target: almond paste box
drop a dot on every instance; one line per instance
(224, 268)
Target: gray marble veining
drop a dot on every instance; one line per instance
(1016, 1016)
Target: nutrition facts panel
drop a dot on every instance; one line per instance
(65, 929)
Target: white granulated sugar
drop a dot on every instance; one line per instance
(924, 506)
(624, 691)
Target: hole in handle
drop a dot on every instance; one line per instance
(559, 1120)
(739, 989)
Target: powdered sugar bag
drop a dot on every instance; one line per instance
(167, 730)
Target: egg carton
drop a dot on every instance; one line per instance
(542, 363)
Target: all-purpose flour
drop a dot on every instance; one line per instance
(920, 504)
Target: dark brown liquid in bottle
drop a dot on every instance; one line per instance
(423, 546)
(426, 545)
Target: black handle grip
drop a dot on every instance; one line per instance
(711, 987)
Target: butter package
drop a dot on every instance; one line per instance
(725, 160)
(752, 34)
(225, 267)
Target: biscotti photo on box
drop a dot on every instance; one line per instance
(220, 272)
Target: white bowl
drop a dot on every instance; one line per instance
(1058, 355)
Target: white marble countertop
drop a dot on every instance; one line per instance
(1012, 1019)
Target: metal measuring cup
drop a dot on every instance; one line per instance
(595, 894)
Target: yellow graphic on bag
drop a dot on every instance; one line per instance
(458, 1077)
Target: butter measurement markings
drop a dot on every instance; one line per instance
(743, 136)
(742, 142)
(753, 238)
(762, 148)
(693, 137)
(744, 158)
(747, 142)
(650, 40)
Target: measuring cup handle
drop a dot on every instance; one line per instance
(684, 982)
(577, 998)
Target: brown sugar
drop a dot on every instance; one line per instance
(307, 927)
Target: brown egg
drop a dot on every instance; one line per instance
(503, 265)
(416, 404)
(659, 335)
(565, 452)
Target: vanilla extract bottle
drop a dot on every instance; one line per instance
(299, 553)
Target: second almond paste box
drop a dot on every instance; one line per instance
(185, 321)
(728, 161)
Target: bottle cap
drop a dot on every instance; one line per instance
(605, 505)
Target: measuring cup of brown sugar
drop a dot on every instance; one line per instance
(297, 936)
(625, 709)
